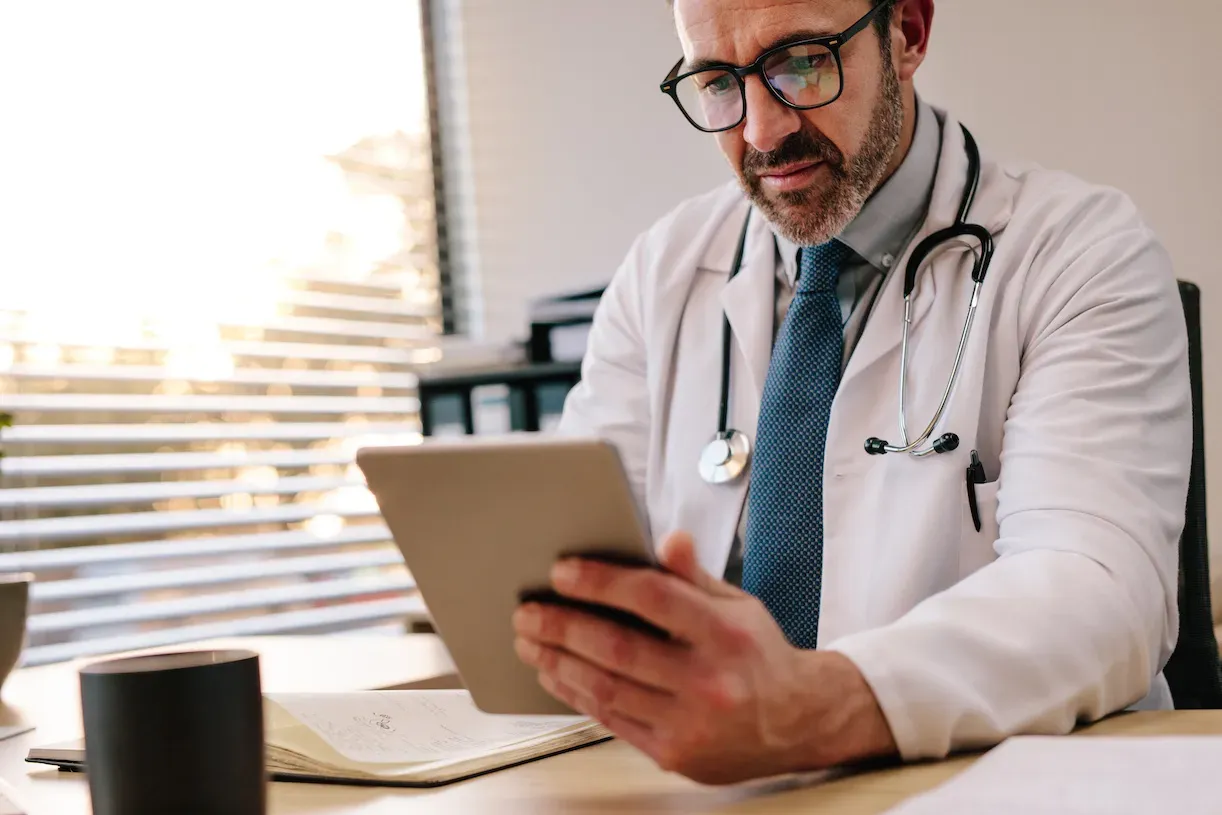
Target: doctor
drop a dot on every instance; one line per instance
(1010, 566)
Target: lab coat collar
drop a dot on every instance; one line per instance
(894, 212)
(994, 204)
(992, 208)
(749, 300)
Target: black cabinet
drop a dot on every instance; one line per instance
(534, 390)
(522, 396)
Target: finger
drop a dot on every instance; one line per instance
(568, 696)
(635, 733)
(609, 693)
(640, 657)
(669, 602)
(678, 555)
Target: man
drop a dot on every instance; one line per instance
(874, 605)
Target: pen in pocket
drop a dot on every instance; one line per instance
(975, 475)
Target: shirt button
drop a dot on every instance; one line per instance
(888, 261)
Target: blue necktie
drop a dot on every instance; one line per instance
(783, 559)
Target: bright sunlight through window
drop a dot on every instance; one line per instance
(218, 277)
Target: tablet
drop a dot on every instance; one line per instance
(480, 521)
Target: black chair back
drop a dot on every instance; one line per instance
(1193, 671)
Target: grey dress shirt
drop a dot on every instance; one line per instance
(878, 236)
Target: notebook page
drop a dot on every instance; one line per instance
(1084, 775)
(403, 727)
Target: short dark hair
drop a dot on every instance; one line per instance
(882, 22)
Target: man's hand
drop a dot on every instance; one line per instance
(726, 699)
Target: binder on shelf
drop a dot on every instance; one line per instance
(524, 395)
(560, 325)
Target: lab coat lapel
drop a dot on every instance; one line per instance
(749, 302)
(947, 266)
(712, 512)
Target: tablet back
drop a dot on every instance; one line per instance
(481, 521)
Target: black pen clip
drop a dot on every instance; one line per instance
(975, 475)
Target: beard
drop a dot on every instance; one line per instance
(815, 215)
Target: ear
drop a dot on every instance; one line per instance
(911, 24)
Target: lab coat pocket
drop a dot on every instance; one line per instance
(976, 547)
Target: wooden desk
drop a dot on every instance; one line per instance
(607, 779)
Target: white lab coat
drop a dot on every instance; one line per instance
(1074, 390)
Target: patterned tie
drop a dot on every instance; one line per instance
(783, 558)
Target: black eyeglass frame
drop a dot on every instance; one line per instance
(833, 44)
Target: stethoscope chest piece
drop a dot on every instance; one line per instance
(725, 458)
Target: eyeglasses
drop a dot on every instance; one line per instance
(802, 75)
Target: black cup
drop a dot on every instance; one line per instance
(175, 733)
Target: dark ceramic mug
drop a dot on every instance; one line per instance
(175, 733)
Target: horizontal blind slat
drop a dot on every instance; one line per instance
(90, 434)
(239, 376)
(163, 462)
(164, 610)
(331, 617)
(385, 306)
(58, 530)
(158, 403)
(79, 588)
(102, 495)
(236, 348)
(165, 550)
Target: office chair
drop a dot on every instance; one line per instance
(1193, 671)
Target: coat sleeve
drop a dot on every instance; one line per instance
(1078, 613)
(611, 401)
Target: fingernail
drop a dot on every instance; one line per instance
(526, 620)
(527, 650)
(566, 574)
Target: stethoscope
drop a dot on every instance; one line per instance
(725, 458)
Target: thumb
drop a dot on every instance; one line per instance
(677, 554)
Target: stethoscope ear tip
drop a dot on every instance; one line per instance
(947, 444)
(876, 447)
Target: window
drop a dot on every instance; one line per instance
(218, 268)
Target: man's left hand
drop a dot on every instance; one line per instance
(724, 699)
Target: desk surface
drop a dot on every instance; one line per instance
(610, 778)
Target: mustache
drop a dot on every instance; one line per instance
(803, 146)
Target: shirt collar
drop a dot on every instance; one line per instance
(896, 210)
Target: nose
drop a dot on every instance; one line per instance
(769, 122)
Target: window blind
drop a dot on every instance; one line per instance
(190, 362)
(156, 506)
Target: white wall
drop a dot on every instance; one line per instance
(586, 152)
(1123, 92)
(574, 149)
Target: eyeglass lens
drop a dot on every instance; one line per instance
(806, 76)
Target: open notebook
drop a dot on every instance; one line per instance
(391, 738)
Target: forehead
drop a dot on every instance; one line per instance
(738, 30)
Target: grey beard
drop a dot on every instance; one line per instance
(813, 217)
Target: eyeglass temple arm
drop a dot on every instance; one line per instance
(667, 83)
(857, 27)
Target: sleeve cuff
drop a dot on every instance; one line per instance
(868, 651)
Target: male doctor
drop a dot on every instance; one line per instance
(829, 605)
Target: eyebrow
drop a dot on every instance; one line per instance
(788, 39)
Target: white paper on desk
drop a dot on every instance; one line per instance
(12, 731)
(1084, 775)
(8, 801)
(402, 727)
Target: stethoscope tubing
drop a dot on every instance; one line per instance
(736, 446)
(912, 447)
